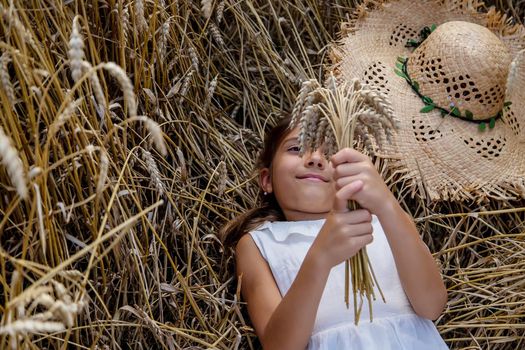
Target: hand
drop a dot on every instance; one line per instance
(344, 232)
(350, 166)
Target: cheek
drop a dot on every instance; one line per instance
(283, 185)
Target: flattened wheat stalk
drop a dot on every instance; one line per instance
(332, 116)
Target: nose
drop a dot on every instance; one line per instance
(314, 159)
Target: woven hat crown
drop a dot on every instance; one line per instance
(462, 65)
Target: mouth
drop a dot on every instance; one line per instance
(313, 177)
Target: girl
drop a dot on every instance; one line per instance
(291, 268)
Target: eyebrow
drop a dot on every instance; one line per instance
(289, 140)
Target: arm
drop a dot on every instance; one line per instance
(280, 323)
(417, 269)
(287, 322)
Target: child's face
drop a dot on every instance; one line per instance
(303, 186)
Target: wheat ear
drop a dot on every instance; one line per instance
(76, 51)
(4, 78)
(125, 83)
(153, 169)
(11, 161)
(206, 6)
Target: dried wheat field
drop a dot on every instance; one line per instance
(128, 132)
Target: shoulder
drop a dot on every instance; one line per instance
(248, 255)
(245, 244)
(251, 266)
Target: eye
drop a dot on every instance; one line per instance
(294, 149)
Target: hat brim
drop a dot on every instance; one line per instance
(444, 158)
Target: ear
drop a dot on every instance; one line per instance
(265, 180)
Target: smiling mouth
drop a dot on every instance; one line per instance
(313, 177)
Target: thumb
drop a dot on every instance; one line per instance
(345, 194)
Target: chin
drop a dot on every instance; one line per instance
(317, 195)
(315, 207)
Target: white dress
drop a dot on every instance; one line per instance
(395, 326)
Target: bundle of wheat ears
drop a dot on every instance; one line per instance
(333, 117)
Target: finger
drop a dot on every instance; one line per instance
(349, 192)
(354, 217)
(345, 181)
(361, 229)
(347, 155)
(358, 216)
(350, 169)
(344, 195)
(359, 242)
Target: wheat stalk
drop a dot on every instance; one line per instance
(11, 18)
(222, 178)
(57, 308)
(40, 213)
(63, 117)
(332, 116)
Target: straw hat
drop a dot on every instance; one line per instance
(456, 80)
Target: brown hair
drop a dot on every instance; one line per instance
(269, 210)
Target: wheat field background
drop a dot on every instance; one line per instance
(128, 133)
